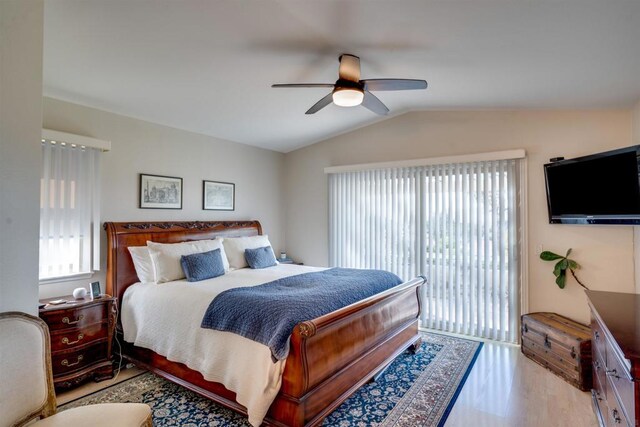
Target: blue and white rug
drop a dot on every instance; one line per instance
(416, 390)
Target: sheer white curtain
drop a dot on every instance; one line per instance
(455, 224)
(69, 210)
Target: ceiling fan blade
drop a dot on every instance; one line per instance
(320, 104)
(393, 84)
(349, 67)
(372, 102)
(303, 85)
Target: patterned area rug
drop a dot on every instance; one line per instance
(416, 390)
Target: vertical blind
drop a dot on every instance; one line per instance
(69, 210)
(455, 224)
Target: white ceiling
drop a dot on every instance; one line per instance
(207, 66)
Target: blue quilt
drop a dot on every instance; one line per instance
(268, 313)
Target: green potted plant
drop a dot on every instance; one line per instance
(563, 264)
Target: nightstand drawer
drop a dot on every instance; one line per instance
(78, 317)
(66, 339)
(65, 362)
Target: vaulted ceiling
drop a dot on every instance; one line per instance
(207, 66)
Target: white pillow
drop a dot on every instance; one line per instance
(166, 257)
(209, 245)
(143, 264)
(235, 246)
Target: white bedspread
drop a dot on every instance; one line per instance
(166, 319)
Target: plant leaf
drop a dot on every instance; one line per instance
(549, 256)
(557, 270)
(573, 265)
(561, 280)
(568, 253)
(561, 265)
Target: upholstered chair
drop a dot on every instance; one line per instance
(26, 383)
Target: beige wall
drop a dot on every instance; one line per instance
(139, 146)
(606, 253)
(21, 23)
(636, 123)
(636, 230)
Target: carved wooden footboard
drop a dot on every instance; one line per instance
(330, 357)
(333, 355)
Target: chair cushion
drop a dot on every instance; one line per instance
(101, 415)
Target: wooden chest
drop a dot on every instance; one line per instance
(560, 345)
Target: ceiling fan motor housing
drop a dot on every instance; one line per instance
(348, 84)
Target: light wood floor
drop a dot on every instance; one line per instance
(504, 389)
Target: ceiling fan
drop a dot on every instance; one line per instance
(350, 91)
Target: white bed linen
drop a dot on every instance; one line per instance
(166, 318)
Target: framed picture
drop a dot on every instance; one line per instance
(160, 192)
(95, 290)
(218, 196)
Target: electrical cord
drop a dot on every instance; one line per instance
(115, 337)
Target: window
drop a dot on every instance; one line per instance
(69, 210)
(456, 224)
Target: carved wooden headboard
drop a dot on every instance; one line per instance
(120, 235)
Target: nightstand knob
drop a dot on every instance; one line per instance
(66, 341)
(65, 362)
(69, 322)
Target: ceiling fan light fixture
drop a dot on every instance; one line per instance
(350, 91)
(347, 97)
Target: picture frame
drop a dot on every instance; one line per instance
(160, 192)
(218, 196)
(95, 290)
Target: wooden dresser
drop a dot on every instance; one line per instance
(615, 325)
(81, 338)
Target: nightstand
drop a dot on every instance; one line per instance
(289, 261)
(81, 334)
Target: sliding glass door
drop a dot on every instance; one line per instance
(455, 224)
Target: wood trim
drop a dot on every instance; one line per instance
(48, 408)
(330, 356)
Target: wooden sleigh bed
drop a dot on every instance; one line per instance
(330, 356)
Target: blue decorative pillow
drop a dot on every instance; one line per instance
(260, 257)
(201, 266)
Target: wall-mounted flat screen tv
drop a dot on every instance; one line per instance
(602, 188)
